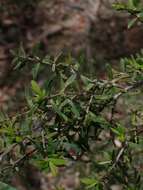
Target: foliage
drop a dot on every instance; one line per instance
(66, 114)
(134, 8)
(69, 115)
(5, 187)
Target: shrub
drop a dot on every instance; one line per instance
(70, 116)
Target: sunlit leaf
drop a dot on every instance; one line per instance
(53, 168)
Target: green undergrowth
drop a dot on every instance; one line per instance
(70, 116)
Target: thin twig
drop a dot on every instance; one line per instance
(24, 157)
(120, 153)
(7, 151)
(89, 104)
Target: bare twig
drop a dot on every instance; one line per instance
(89, 104)
(24, 157)
(7, 151)
(120, 153)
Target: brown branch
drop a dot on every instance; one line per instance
(7, 151)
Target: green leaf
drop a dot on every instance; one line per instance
(35, 70)
(132, 22)
(105, 162)
(28, 98)
(21, 51)
(46, 60)
(120, 132)
(53, 168)
(136, 2)
(73, 107)
(69, 81)
(42, 164)
(131, 4)
(91, 117)
(109, 71)
(119, 6)
(89, 182)
(87, 82)
(35, 87)
(140, 16)
(4, 186)
(58, 111)
(39, 93)
(58, 161)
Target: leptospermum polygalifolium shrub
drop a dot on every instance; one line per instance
(70, 116)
